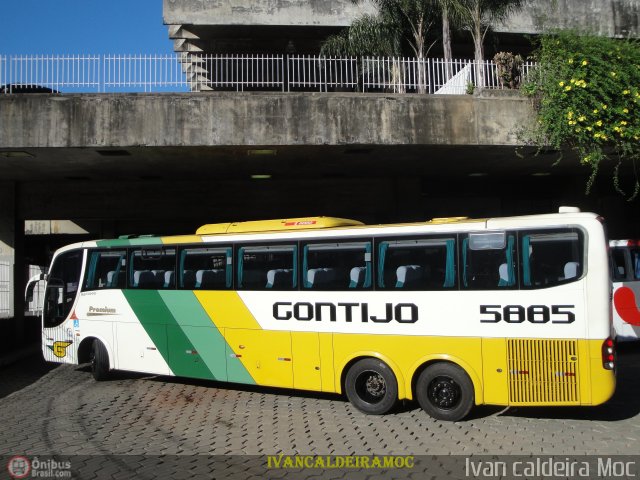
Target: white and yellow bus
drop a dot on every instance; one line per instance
(625, 275)
(451, 312)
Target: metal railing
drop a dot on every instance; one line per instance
(6, 291)
(186, 72)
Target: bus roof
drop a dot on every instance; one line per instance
(308, 225)
(282, 225)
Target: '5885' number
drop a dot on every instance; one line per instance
(532, 313)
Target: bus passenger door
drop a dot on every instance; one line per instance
(264, 355)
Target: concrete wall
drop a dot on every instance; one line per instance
(263, 12)
(215, 119)
(608, 17)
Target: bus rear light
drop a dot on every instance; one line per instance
(608, 354)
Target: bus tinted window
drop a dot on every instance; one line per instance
(635, 262)
(270, 267)
(106, 269)
(551, 258)
(153, 268)
(337, 266)
(619, 264)
(420, 264)
(62, 287)
(205, 268)
(488, 261)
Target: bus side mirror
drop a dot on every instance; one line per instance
(28, 294)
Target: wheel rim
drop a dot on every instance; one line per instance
(371, 387)
(444, 393)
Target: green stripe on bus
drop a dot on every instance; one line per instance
(203, 334)
(121, 242)
(180, 354)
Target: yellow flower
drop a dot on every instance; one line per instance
(589, 129)
(582, 118)
(613, 74)
(584, 62)
(626, 92)
(595, 110)
(567, 88)
(625, 110)
(573, 80)
(599, 123)
(561, 84)
(623, 122)
(570, 60)
(604, 107)
(569, 114)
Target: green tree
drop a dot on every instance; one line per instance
(400, 26)
(588, 99)
(477, 16)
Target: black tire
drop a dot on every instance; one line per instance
(371, 386)
(99, 361)
(445, 392)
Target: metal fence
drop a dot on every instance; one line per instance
(185, 72)
(6, 292)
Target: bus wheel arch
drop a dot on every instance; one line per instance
(370, 384)
(444, 389)
(94, 351)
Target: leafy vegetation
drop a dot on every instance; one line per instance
(588, 99)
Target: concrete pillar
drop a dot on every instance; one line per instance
(12, 275)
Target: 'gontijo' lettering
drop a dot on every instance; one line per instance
(346, 312)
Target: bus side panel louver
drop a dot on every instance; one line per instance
(543, 372)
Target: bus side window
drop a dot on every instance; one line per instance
(106, 269)
(152, 268)
(551, 257)
(488, 261)
(205, 268)
(268, 267)
(416, 264)
(635, 262)
(618, 264)
(337, 266)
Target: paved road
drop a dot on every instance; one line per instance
(59, 410)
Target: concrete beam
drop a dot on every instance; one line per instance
(237, 119)
(614, 18)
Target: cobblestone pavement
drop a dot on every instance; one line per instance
(60, 410)
(110, 427)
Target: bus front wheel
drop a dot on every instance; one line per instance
(371, 386)
(445, 392)
(99, 361)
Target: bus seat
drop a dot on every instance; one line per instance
(111, 279)
(253, 278)
(571, 270)
(503, 271)
(407, 274)
(279, 277)
(320, 276)
(210, 278)
(188, 279)
(169, 279)
(144, 279)
(357, 277)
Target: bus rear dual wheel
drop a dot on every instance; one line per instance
(443, 390)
